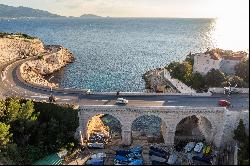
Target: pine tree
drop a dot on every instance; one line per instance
(239, 133)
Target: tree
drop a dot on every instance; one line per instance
(181, 71)
(197, 81)
(172, 66)
(239, 132)
(12, 109)
(5, 135)
(242, 70)
(235, 80)
(2, 109)
(26, 111)
(215, 78)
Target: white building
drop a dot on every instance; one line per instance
(217, 59)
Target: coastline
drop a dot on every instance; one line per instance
(44, 59)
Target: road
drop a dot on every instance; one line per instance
(12, 86)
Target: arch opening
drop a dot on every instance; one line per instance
(148, 128)
(192, 128)
(106, 125)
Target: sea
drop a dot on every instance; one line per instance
(112, 54)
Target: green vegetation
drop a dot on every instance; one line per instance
(183, 71)
(243, 139)
(20, 35)
(40, 57)
(214, 78)
(31, 130)
(242, 70)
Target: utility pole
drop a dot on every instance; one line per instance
(236, 154)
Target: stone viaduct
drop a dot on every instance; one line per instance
(211, 120)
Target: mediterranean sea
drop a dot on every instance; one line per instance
(113, 53)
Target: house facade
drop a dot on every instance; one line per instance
(225, 61)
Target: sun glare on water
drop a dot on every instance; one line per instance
(231, 28)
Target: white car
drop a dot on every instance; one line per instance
(96, 145)
(121, 101)
(198, 147)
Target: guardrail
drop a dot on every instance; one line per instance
(83, 91)
(151, 94)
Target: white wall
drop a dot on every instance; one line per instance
(203, 63)
(221, 90)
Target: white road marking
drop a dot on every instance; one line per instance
(104, 100)
(171, 101)
(42, 97)
(65, 99)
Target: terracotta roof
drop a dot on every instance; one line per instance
(216, 54)
(233, 57)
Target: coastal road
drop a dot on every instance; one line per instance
(12, 86)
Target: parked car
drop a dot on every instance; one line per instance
(189, 147)
(172, 159)
(198, 147)
(224, 103)
(121, 101)
(96, 145)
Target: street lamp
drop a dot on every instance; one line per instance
(49, 81)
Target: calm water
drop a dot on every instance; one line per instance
(112, 54)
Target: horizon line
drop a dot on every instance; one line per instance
(178, 17)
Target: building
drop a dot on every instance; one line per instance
(223, 60)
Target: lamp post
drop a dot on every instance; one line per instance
(51, 86)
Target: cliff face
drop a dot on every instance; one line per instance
(47, 59)
(53, 60)
(13, 47)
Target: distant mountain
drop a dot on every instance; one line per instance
(24, 12)
(89, 16)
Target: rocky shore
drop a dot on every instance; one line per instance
(155, 81)
(47, 59)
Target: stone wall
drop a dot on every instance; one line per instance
(231, 123)
(221, 90)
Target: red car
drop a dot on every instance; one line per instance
(224, 103)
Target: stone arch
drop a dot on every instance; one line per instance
(202, 127)
(149, 116)
(85, 117)
(107, 129)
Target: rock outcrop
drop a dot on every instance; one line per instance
(13, 47)
(155, 81)
(55, 58)
(47, 59)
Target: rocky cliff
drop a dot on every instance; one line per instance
(15, 46)
(55, 58)
(46, 59)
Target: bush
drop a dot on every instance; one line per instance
(40, 57)
(38, 129)
(242, 70)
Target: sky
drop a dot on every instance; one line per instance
(141, 8)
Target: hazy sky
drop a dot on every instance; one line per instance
(140, 8)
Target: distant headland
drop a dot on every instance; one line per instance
(10, 12)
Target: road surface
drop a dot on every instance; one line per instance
(11, 86)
